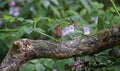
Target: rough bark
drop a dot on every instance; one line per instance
(24, 50)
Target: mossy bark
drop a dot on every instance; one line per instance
(24, 50)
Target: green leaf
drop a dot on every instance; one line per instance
(48, 19)
(72, 13)
(46, 4)
(55, 10)
(34, 61)
(89, 58)
(49, 63)
(28, 67)
(3, 3)
(29, 21)
(55, 2)
(28, 30)
(100, 25)
(21, 19)
(36, 19)
(60, 64)
(17, 34)
(86, 5)
(83, 12)
(3, 36)
(29, 1)
(97, 5)
(8, 18)
(39, 67)
(38, 30)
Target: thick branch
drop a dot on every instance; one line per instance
(26, 49)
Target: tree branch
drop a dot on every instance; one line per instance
(24, 50)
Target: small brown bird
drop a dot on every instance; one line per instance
(58, 31)
(75, 23)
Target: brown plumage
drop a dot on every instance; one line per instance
(75, 23)
(58, 31)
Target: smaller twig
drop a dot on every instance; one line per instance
(115, 7)
(8, 30)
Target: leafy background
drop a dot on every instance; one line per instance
(36, 19)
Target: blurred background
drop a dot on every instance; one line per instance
(37, 19)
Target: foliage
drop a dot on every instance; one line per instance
(36, 19)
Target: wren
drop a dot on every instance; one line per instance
(58, 31)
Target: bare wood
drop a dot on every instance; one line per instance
(24, 50)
